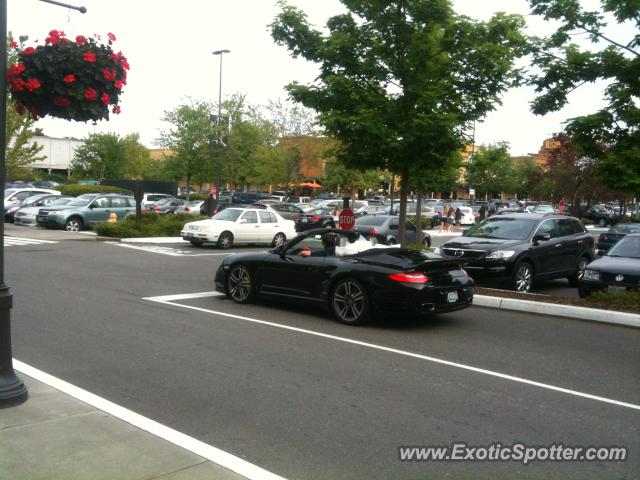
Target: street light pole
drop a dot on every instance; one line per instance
(12, 390)
(218, 124)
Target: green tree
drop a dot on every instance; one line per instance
(401, 80)
(20, 151)
(491, 170)
(190, 139)
(526, 177)
(611, 135)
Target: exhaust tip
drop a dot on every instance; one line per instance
(428, 307)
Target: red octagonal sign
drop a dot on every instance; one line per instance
(346, 219)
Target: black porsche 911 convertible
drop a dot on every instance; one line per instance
(355, 277)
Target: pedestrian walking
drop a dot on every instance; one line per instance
(457, 216)
(482, 213)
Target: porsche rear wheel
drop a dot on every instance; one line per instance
(240, 284)
(349, 302)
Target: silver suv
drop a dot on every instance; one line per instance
(85, 211)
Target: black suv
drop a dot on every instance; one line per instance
(520, 248)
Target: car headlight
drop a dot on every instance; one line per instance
(501, 254)
(437, 250)
(591, 275)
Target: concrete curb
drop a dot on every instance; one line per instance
(154, 240)
(570, 311)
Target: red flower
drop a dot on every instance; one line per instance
(69, 78)
(108, 74)
(90, 94)
(105, 98)
(33, 84)
(13, 44)
(116, 109)
(61, 101)
(17, 84)
(29, 51)
(118, 84)
(17, 69)
(111, 36)
(55, 36)
(89, 57)
(81, 40)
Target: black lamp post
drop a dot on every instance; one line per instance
(218, 123)
(12, 390)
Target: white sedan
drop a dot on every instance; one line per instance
(468, 218)
(240, 225)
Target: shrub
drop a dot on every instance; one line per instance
(151, 225)
(195, 196)
(628, 301)
(425, 220)
(626, 219)
(75, 190)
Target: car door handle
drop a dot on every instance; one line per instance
(579, 241)
(257, 226)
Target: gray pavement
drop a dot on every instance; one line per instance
(55, 436)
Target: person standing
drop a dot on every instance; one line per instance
(458, 218)
(482, 213)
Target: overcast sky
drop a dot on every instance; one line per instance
(169, 42)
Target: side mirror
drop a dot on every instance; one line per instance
(279, 250)
(542, 237)
(92, 206)
(464, 232)
(243, 220)
(600, 253)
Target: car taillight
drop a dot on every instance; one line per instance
(315, 218)
(411, 277)
(373, 231)
(156, 209)
(187, 209)
(601, 237)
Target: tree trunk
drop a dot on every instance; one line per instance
(404, 190)
(419, 218)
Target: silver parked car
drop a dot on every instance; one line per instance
(26, 215)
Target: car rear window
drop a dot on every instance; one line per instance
(371, 220)
(503, 228)
(626, 228)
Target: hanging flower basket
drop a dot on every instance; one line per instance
(76, 80)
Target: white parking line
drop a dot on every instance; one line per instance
(209, 452)
(24, 241)
(172, 252)
(170, 300)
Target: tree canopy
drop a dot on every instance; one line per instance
(400, 81)
(611, 135)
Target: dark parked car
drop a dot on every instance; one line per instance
(617, 271)
(521, 248)
(287, 211)
(247, 197)
(600, 216)
(615, 233)
(166, 206)
(388, 226)
(346, 273)
(315, 218)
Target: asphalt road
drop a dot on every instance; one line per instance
(304, 397)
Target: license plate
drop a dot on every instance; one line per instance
(452, 297)
(617, 289)
(305, 220)
(189, 234)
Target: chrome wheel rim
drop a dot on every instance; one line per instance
(523, 278)
(73, 226)
(348, 301)
(279, 240)
(225, 240)
(239, 284)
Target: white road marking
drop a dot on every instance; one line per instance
(172, 252)
(9, 241)
(227, 460)
(170, 300)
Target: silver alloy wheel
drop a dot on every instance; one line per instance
(524, 278)
(582, 266)
(73, 225)
(426, 242)
(279, 239)
(225, 240)
(348, 301)
(239, 284)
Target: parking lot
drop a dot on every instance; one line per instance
(294, 392)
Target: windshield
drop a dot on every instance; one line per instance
(626, 228)
(60, 201)
(503, 228)
(628, 247)
(80, 202)
(318, 211)
(230, 215)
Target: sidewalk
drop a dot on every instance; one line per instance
(56, 436)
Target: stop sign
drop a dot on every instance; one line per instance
(562, 206)
(347, 219)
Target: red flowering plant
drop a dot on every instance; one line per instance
(79, 79)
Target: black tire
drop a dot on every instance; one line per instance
(279, 239)
(523, 277)
(225, 240)
(602, 222)
(582, 264)
(426, 241)
(583, 293)
(329, 225)
(391, 241)
(74, 224)
(349, 302)
(196, 243)
(240, 284)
